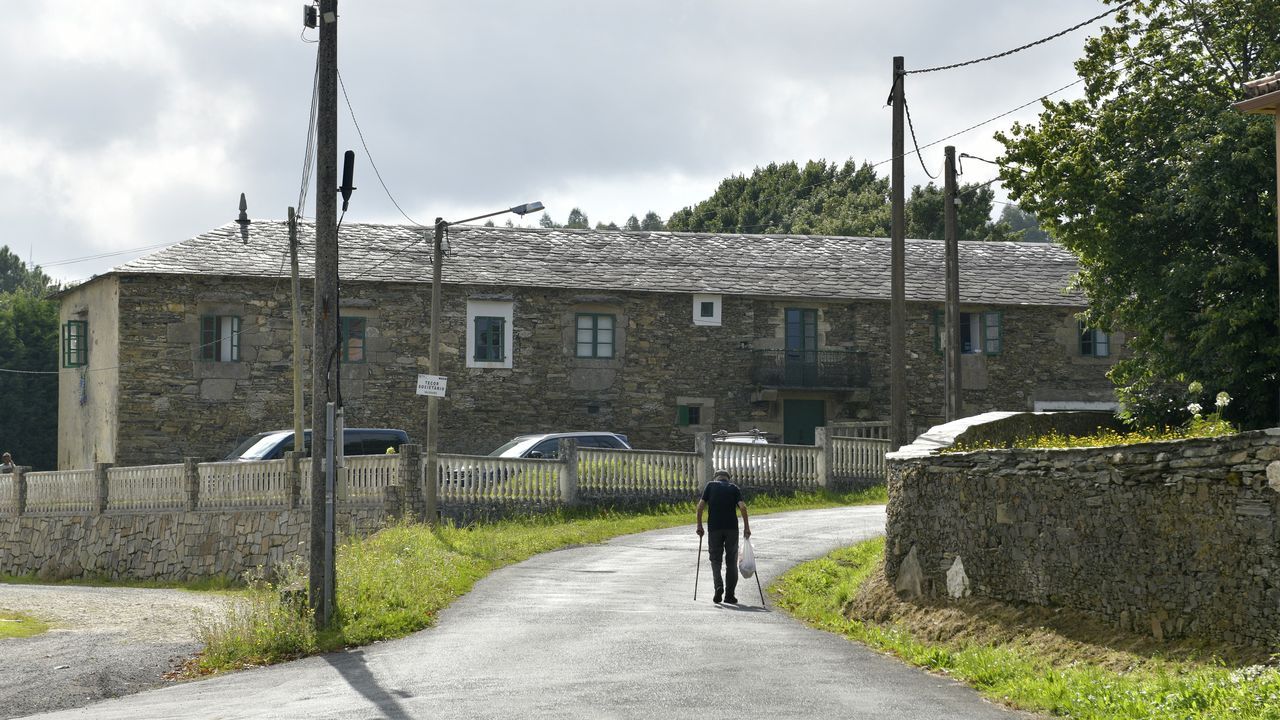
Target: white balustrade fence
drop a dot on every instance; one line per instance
(637, 472)
(367, 475)
(71, 491)
(858, 457)
(760, 465)
(259, 483)
(6, 494)
(147, 487)
(470, 478)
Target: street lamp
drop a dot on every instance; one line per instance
(433, 357)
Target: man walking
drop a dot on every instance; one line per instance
(723, 498)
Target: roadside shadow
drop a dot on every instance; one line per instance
(353, 668)
(744, 608)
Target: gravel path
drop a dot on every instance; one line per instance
(103, 643)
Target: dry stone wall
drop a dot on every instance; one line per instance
(1167, 539)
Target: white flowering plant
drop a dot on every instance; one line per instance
(1201, 424)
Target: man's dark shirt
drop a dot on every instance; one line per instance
(722, 500)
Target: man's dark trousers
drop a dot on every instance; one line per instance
(724, 543)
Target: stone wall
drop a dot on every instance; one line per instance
(1167, 539)
(162, 546)
(171, 404)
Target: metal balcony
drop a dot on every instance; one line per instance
(815, 369)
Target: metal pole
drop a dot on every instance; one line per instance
(951, 339)
(296, 301)
(697, 570)
(325, 303)
(330, 470)
(898, 296)
(431, 480)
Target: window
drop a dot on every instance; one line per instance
(595, 335)
(979, 332)
(1093, 342)
(706, 310)
(220, 338)
(688, 415)
(353, 340)
(802, 330)
(490, 339)
(75, 343)
(489, 335)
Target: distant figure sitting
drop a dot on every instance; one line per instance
(6, 463)
(723, 498)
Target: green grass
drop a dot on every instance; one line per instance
(1031, 673)
(214, 584)
(396, 581)
(17, 625)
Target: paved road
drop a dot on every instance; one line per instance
(604, 631)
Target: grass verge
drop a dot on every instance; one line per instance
(1032, 658)
(396, 581)
(215, 584)
(17, 625)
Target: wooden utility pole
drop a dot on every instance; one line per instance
(898, 290)
(951, 337)
(295, 297)
(431, 481)
(324, 307)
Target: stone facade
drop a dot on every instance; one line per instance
(171, 404)
(1166, 539)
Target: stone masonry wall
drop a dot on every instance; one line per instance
(1168, 539)
(172, 404)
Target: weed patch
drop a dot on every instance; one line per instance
(18, 625)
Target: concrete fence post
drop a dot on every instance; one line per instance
(191, 481)
(705, 447)
(569, 472)
(292, 464)
(822, 439)
(20, 489)
(412, 493)
(100, 475)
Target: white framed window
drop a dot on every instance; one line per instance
(489, 333)
(706, 310)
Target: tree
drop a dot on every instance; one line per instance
(652, 222)
(610, 226)
(14, 275)
(632, 224)
(29, 343)
(546, 221)
(1024, 225)
(577, 220)
(830, 199)
(1166, 196)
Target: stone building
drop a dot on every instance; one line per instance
(655, 335)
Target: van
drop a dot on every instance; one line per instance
(356, 441)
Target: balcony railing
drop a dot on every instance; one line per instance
(810, 368)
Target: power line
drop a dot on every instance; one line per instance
(72, 261)
(915, 142)
(1006, 53)
(309, 154)
(370, 155)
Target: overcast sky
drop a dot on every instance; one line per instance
(128, 124)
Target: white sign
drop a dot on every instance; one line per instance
(432, 385)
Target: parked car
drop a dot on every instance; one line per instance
(356, 441)
(547, 445)
(744, 464)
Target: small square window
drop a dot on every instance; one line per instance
(489, 336)
(1094, 342)
(707, 309)
(595, 335)
(353, 333)
(220, 338)
(75, 343)
(688, 415)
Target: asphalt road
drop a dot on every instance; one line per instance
(604, 631)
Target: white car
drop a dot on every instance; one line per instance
(547, 445)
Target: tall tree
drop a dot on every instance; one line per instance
(15, 275)
(28, 378)
(546, 221)
(652, 222)
(1024, 225)
(577, 220)
(632, 224)
(1166, 194)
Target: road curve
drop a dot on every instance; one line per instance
(602, 631)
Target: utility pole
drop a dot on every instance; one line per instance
(325, 303)
(431, 481)
(898, 282)
(951, 338)
(295, 298)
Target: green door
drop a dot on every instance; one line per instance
(799, 418)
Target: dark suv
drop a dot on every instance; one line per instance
(356, 441)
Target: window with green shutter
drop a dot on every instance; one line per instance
(688, 415)
(1093, 342)
(595, 335)
(353, 331)
(75, 343)
(220, 338)
(979, 332)
(489, 335)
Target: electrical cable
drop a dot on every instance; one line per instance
(308, 156)
(369, 155)
(915, 142)
(1006, 53)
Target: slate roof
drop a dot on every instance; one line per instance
(795, 266)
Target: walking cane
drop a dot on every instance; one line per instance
(757, 575)
(697, 572)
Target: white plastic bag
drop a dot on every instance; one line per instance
(746, 560)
